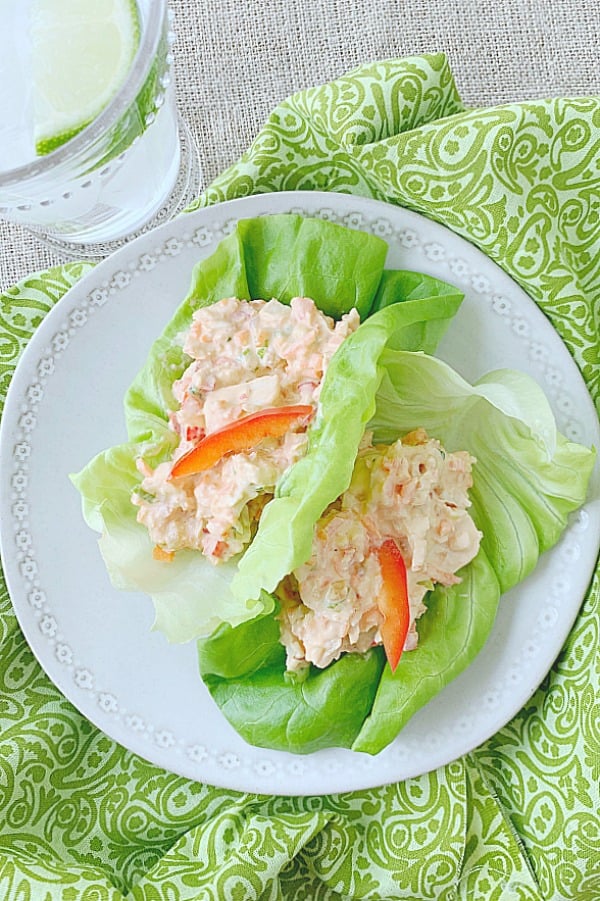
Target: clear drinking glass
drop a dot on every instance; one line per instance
(134, 166)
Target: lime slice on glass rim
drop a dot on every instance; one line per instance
(81, 53)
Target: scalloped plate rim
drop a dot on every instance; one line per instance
(225, 760)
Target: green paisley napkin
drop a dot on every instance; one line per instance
(81, 819)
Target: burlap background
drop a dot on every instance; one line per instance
(237, 58)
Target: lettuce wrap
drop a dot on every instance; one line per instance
(526, 481)
(278, 256)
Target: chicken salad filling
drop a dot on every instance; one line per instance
(246, 356)
(412, 492)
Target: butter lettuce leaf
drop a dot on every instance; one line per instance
(244, 668)
(272, 256)
(526, 480)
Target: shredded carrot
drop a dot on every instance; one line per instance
(160, 554)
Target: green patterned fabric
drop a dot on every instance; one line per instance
(81, 819)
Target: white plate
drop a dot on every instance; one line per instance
(96, 644)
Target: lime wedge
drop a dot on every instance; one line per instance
(81, 53)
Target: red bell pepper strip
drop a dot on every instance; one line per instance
(393, 601)
(241, 435)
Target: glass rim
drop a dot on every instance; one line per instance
(138, 71)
